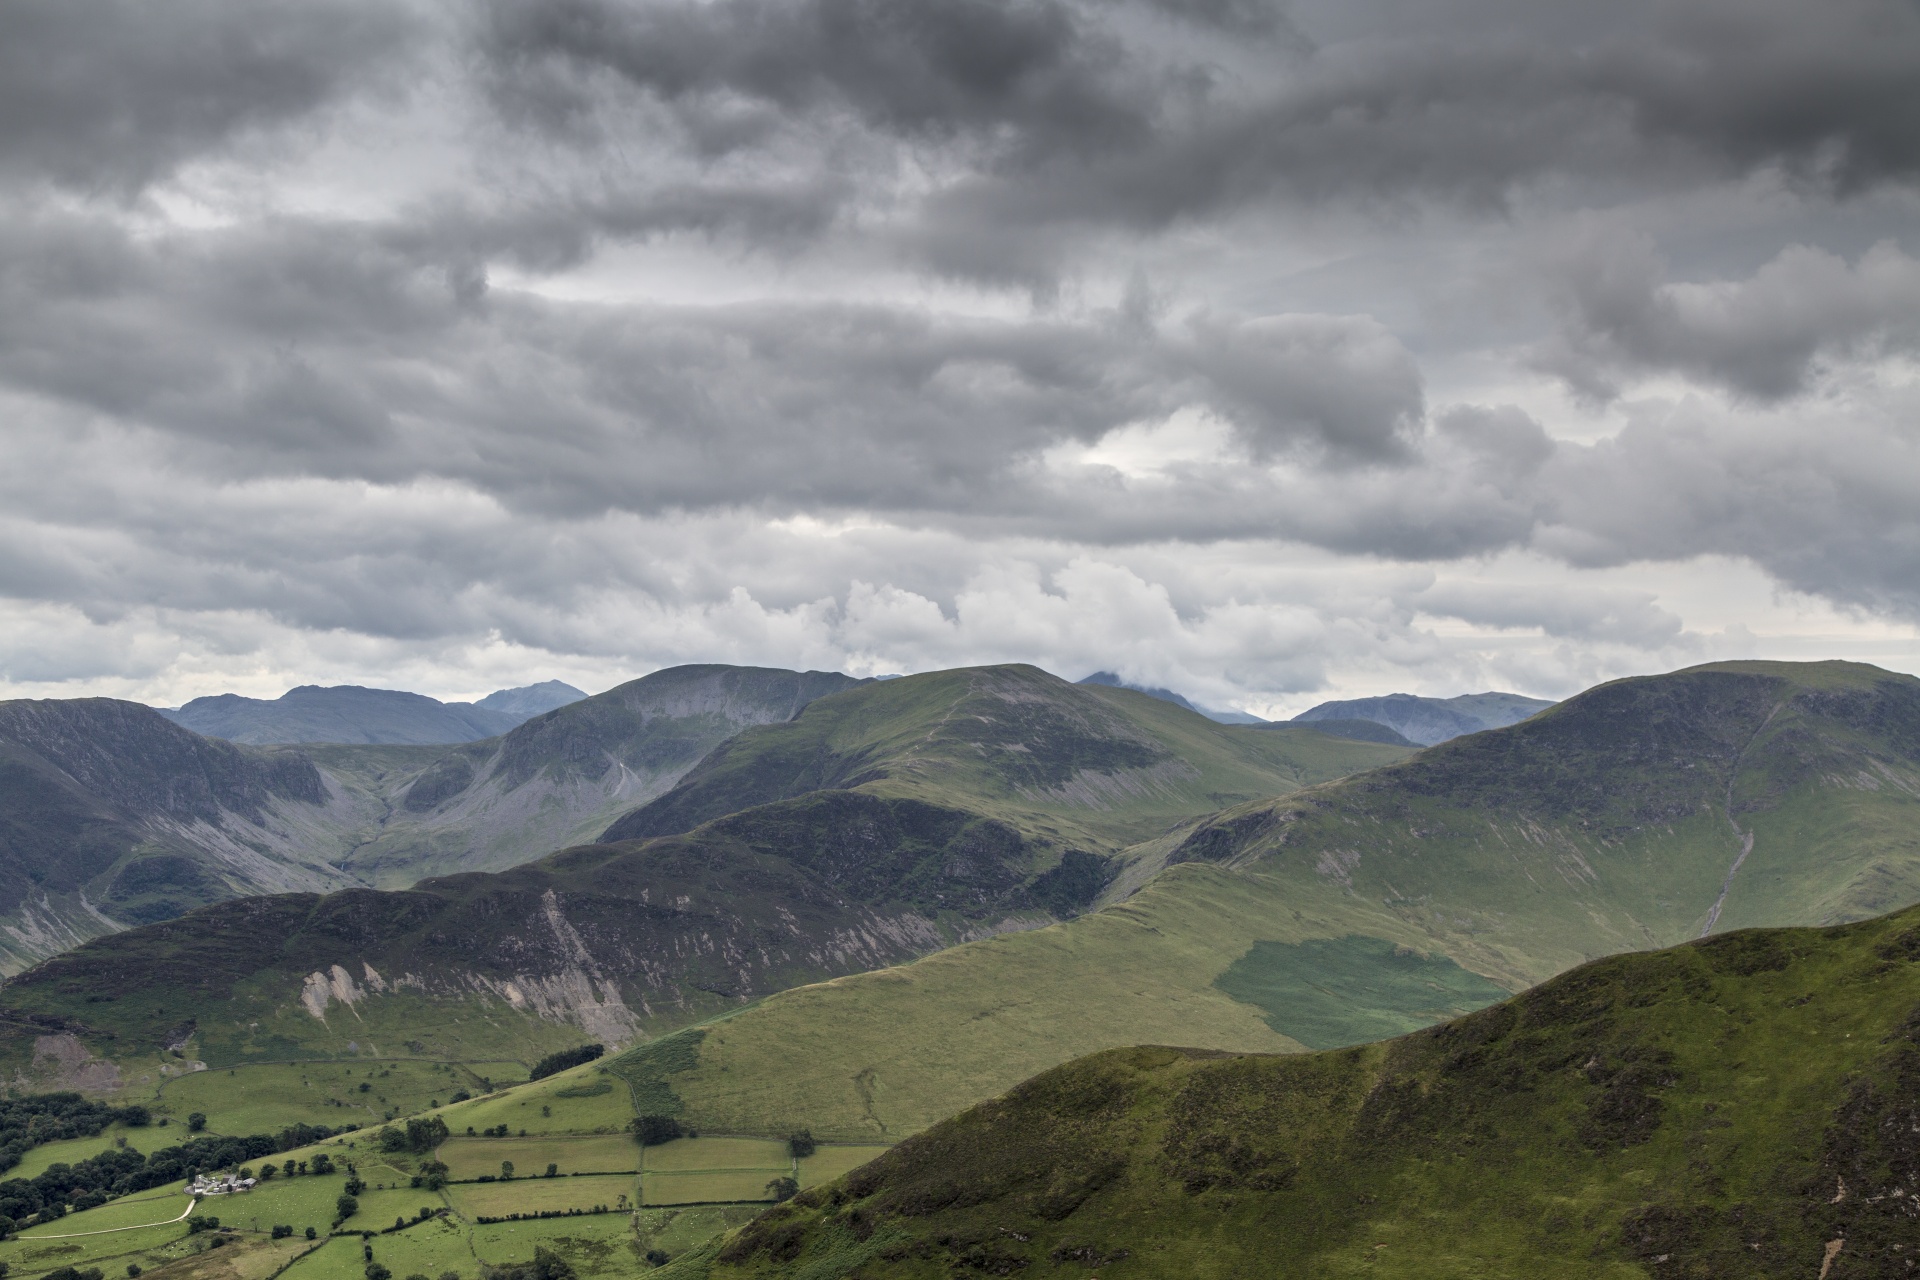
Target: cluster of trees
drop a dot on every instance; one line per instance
(546, 1265)
(652, 1130)
(39, 1118)
(557, 1062)
(420, 1135)
(121, 1170)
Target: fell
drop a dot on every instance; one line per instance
(1742, 1106)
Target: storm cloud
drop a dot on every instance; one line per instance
(1252, 349)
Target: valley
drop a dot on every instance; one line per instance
(895, 907)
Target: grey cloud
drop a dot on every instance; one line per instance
(1762, 337)
(345, 350)
(1607, 616)
(1043, 117)
(937, 70)
(108, 95)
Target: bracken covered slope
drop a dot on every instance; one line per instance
(1743, 1106)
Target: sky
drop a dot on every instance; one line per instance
(1269, 352)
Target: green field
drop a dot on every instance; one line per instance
(295, 1202)
(541, 1195)
(601, 1246)
(264, 1098)
(830, 1162)
(31, 1256)
(718, 1186)
(692, 1154)
(471, 1157)
(144, 1209)
(72, 1150)
(543, 1106)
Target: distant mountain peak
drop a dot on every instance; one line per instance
(1431, 720)
(532, 699)
(1112, 681)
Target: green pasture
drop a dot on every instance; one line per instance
(73, 1150)
(295, 1202)
(472, 1157)
(584, 1099)
(31, 1256)
(711, 1186)
(601, 1246)
(827, 1163)
(676, 1229)
(698, 1154)
(145, 1209)
(270, 1096)
(542, 1195)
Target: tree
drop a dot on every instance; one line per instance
(322, 1164)
(652, 1130)
(196, 1122)
(783, 1188)
(800, 1144)
(345, 1207)
(312, 1234)
(377, 1272)
(506, 1171)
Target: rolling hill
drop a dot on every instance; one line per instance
(1737, 1107)
(1639, 814)
(112, 816)
(955, 825)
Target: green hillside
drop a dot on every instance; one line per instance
(1083, 766)
(405, 813)
(1626, 818)
(619, 942)
(1743, 1106)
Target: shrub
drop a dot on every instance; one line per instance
(377, 1272)
(281, 1233)
(196, 1122)
(783, 1188)
(800, 1144)
(199, 1222)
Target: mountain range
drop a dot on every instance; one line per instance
(111, 815)
(350, 713)
(1424, 1027)
(882, 822)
